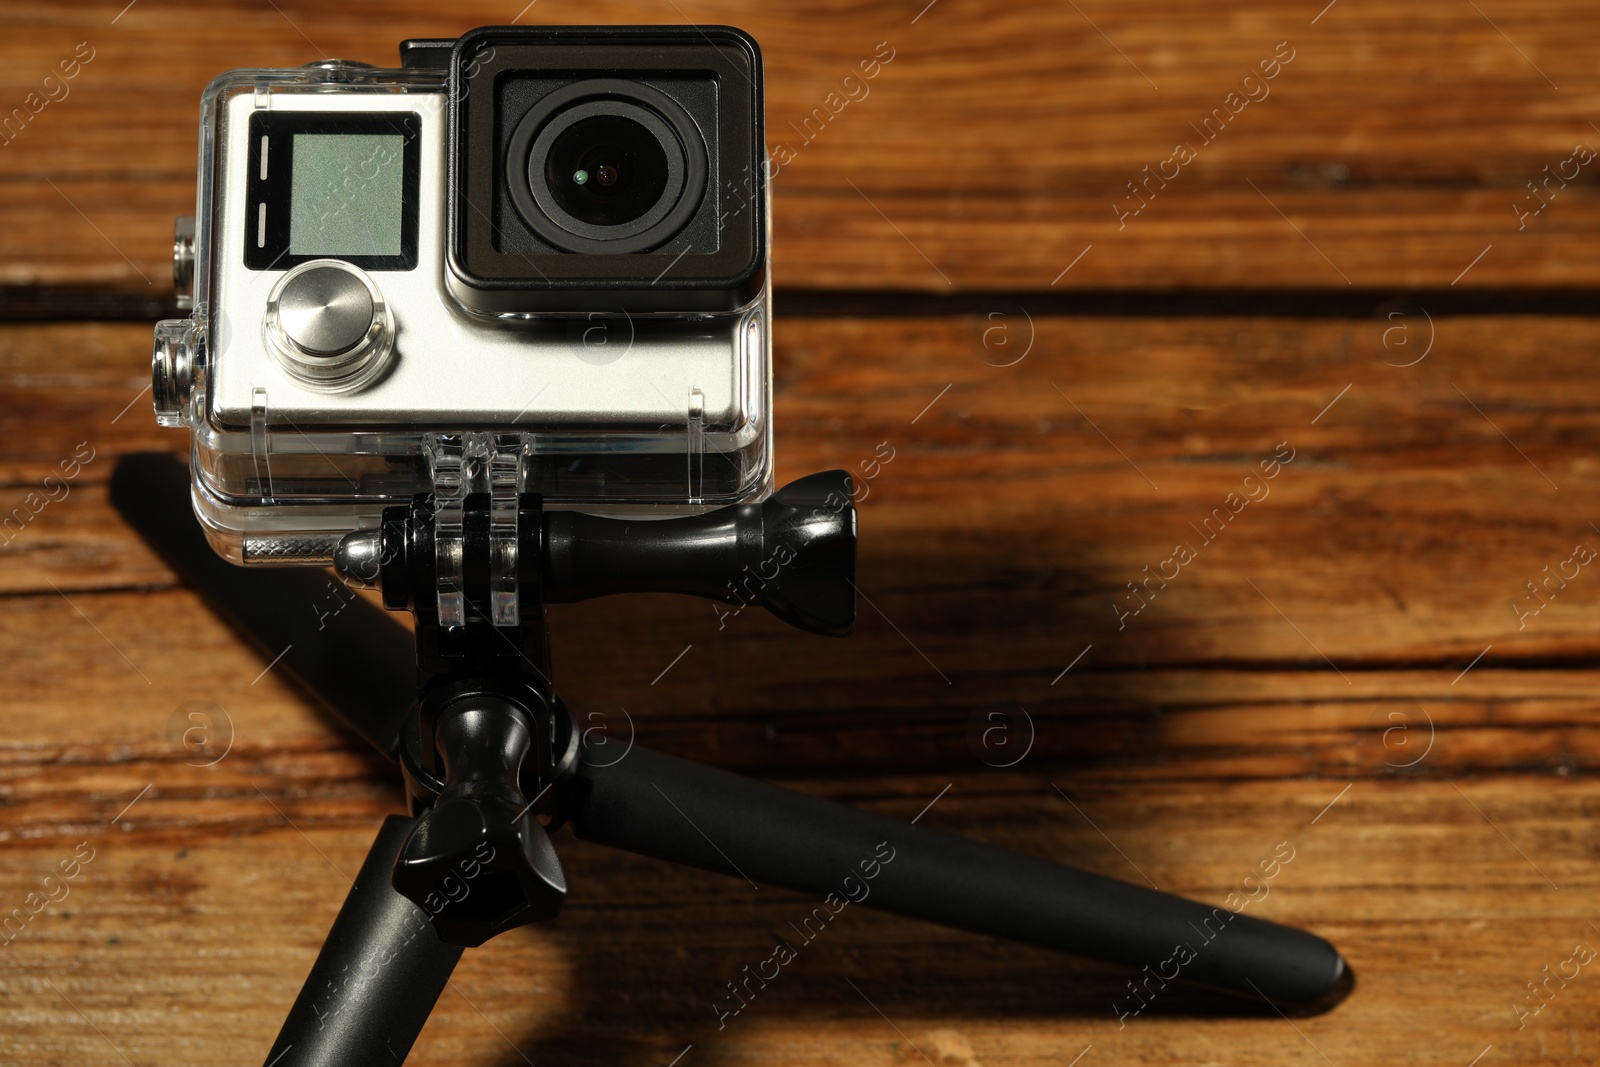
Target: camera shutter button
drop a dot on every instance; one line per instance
(327, 325)
(325, 311)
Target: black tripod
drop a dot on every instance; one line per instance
(492, 759)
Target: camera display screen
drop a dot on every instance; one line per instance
(332, 185)
(346, 194)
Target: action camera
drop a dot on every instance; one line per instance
(530, 260)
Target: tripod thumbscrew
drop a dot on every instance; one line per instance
(478, 862)
(794, 554)
(359, 559)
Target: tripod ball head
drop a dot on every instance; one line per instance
(478, 861)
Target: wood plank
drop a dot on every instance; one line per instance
(1420, 504)
(988, 153)
(184, 947)
(104, 686)
(1343, 667)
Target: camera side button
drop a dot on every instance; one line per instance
(327, 325)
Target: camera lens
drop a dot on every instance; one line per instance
(606, 166)
(606, 170)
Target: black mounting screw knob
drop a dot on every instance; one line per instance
(478, 862)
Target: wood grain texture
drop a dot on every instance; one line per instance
(1419, 503)
(996, 540)
(1387, 658)
(185, 946)
(988, 153)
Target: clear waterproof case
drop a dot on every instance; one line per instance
(327, 371)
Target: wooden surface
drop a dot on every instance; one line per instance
(1341, 668)
(996, 141)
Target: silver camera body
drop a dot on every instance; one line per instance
(532, 260)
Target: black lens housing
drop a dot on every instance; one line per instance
(515, 245)
(661, 167)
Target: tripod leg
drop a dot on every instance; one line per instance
(676, 810)
(377, 977)
(347, 653)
